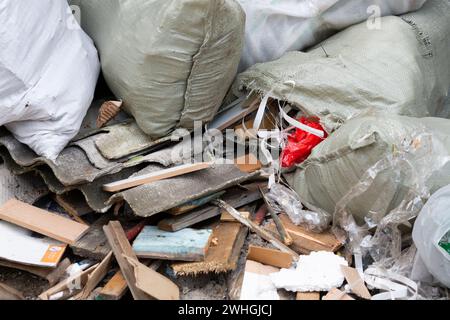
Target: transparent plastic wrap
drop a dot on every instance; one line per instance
(410, 165)
(286, 200)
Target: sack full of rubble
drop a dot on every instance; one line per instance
(276, 27)
(170, 61)
(48, 73)
(360, 68)
(395, 154)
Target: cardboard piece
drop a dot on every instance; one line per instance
(355, 282)
(257, 284)
(18, 245)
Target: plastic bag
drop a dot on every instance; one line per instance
(300, 144)
(48, 73)
(171, 62)
(431, 235)
(289, 202)
(275, 27)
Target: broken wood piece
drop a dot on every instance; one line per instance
(69, 286)
(194, 204)
(153, 283)
(255, 228)
(226, 217)
(306, 241)
(43, 222)
(184, 245)
(121, 248)
(248, 163)
(355, 282)
(284, 235)
(9, 293)
(108, 110)
(235, 198)
(95, 277)
(260, 215)
(117, 286)
(221, 257)
(271, 257)
(307, 296)
(336, 294)
(155, 176)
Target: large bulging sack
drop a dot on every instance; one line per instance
(48, 73)
(340, 162)
(402, 68)
(275, 27)
(170, 61)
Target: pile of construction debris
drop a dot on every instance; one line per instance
(289, 185)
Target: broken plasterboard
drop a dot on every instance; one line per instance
(18, 245)
(257, 284)
(184, 245)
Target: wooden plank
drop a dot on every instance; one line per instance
(236, 198)
(306, 241)
(257, 229)
(355, 282)
(271, 257)
(68, 287)
(9, 293)
(95, 277)
(121, 248)
(184, 245)
(115, 288)
(41, 221)
(226, 217)
(191, 205)
(223, 252)
(336, 294)
(307, 296)
(155, 176)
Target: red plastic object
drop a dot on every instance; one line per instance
(301, 143)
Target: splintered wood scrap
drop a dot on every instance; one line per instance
(41, 221)
(143, 282)
(307, 241)
(336, 294)
(95, 277)
(257, 229)
(68, 287)
(107, 112)
(9, 293)
(270, 257)
(155, 176)
(121, 248)
(222, 255)
(228, 217)
(70, 209)
(355, 282)
(307, 296)
(285, 236)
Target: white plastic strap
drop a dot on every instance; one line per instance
(261, 110)
(301, 126)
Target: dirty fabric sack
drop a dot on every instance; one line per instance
(360, 147)
(359, 68)
(431, 236)
(276, 27)
(48, 72)
(170, 61)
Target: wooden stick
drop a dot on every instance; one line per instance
(285, 236)
(155, 176)
(255, 228)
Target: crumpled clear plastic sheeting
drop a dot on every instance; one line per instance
(414, 160)
(288, 201)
